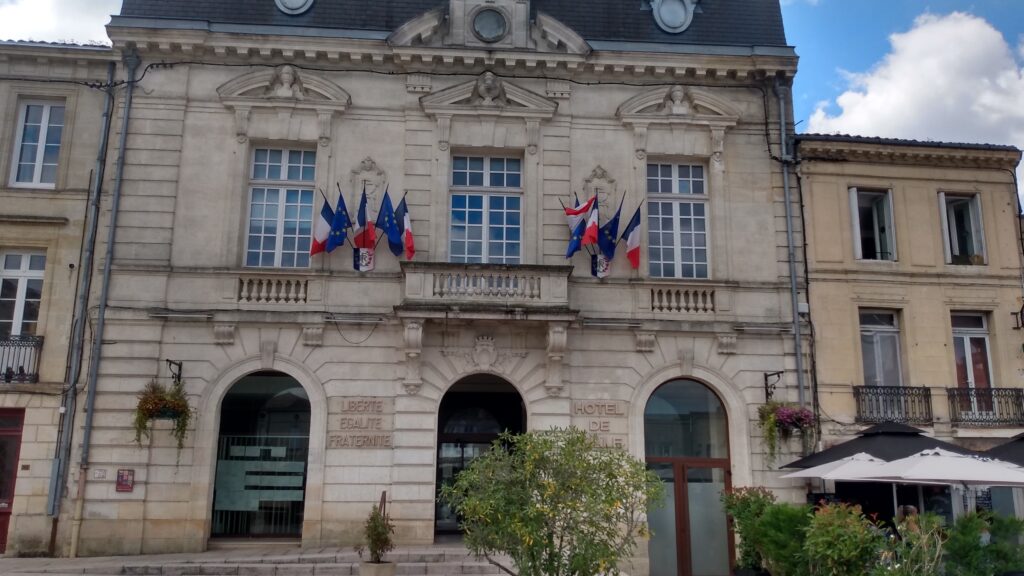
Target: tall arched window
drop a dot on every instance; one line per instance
(686, 435)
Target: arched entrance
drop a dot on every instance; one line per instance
(472, 414)
(686, 436)
(262, 452)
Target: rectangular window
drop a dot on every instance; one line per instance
(873, 237)
(880, 348)
(21, 290)
(37, 144)
(970, 348)
(280, 208)
(677, 221)
(963, 236)
(486, 219)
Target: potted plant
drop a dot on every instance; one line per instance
(377, 531)
(781, 420)
(157, 401)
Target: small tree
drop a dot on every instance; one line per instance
(554, 502)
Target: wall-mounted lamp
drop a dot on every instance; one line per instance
(1018, 318)
(174, 367)
(770, 380)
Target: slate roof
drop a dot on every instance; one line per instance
(851, 139)
(719, 22)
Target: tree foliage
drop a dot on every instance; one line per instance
(554, 503)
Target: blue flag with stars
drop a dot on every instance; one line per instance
(386, 222)
(608, 235)
(340, 225)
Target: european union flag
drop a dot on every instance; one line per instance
(608, 235)
(386, 221)
(340, 224)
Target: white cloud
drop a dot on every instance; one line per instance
(952, 78)
(56, 20)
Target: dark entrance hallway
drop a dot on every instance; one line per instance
(472, 415)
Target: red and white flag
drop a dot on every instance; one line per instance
(590, 233)
(364, 239)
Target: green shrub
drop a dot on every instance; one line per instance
(842, 542)
(779, 536)
(745, 506)
(1006, 548)
(916, 550)
(377, 531)
(965, 556)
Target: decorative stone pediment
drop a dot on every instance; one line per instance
(678, 105)
(283, 90)
(489, 95)
(599, 183)
(453, 26)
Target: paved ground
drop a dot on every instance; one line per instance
(438, 560)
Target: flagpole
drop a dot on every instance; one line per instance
(348, 237)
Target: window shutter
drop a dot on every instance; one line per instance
(944, 221)
(858, 253)
(979, 228)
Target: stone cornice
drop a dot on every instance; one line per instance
(32, 219)
(917, 154)
(377, 54)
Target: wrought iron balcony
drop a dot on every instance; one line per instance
(19, 358)
(893, 404)
(986, 406)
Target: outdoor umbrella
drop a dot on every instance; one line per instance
(1012, 451)
(855, 466)
(886, 441)
(942, 466)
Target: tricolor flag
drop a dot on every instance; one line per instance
(405, 227)
(578, 219)
(364, 239)
(340, 224)
(322, 228)
(590, 232)
(632, 237)
(387, 222)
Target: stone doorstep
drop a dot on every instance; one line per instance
(444, 568)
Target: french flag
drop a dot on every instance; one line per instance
(364, 239)
(581, 219)
(405, 226)
(322, 228)
(632, 237)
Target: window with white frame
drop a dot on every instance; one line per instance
(280, 208)
(37, 143)
(880, 347)
(963, 235)
(970, 349)
(486, 210)
(873, 234)
(677, 221)
(21, 290)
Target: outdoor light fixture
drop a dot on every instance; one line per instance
(340, 318)
(770, 380)
(611, 323)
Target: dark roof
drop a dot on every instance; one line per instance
(1012, 451)
(848, 138)
(888, 441)
(718, 22)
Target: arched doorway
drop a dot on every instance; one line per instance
(472, 414)
(686, 436)
(262, 453)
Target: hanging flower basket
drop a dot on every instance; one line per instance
(781, 420)
(158, 402)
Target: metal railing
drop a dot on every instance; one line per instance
(893, 404)
(19, 358)
(986, 406)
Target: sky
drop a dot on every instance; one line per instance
(950, 70)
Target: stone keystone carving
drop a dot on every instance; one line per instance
(489, 91)
(601, 184)
(285, 84)
(558, 339)
(678, 101)
(413, 352)
(368, 173)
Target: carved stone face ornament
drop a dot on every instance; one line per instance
(489, 91)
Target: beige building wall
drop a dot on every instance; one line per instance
(919, 286)
(46, 220)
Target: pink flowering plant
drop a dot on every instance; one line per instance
(782, 419)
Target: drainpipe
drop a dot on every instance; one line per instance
(779, 90)
(81, 311)
(131, 61)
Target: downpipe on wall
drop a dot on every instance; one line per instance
(131, 62)
(780, 90)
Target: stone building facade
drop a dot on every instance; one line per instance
(317, 387)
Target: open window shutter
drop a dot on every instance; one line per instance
(944, 220)
(890, 226)
(979, 227)
(855, 224)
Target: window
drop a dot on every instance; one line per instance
(37, 144)
(873, 237)
(280, 208)
(486, 210)
(970, 347)
(21, 289)
(880, 348)
(677, 221)
(964, 241)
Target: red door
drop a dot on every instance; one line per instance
(10, 444)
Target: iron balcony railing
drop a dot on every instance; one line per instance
(986, 406)
(19, 358)
(893, 404)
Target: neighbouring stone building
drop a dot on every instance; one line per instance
(914, 259)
